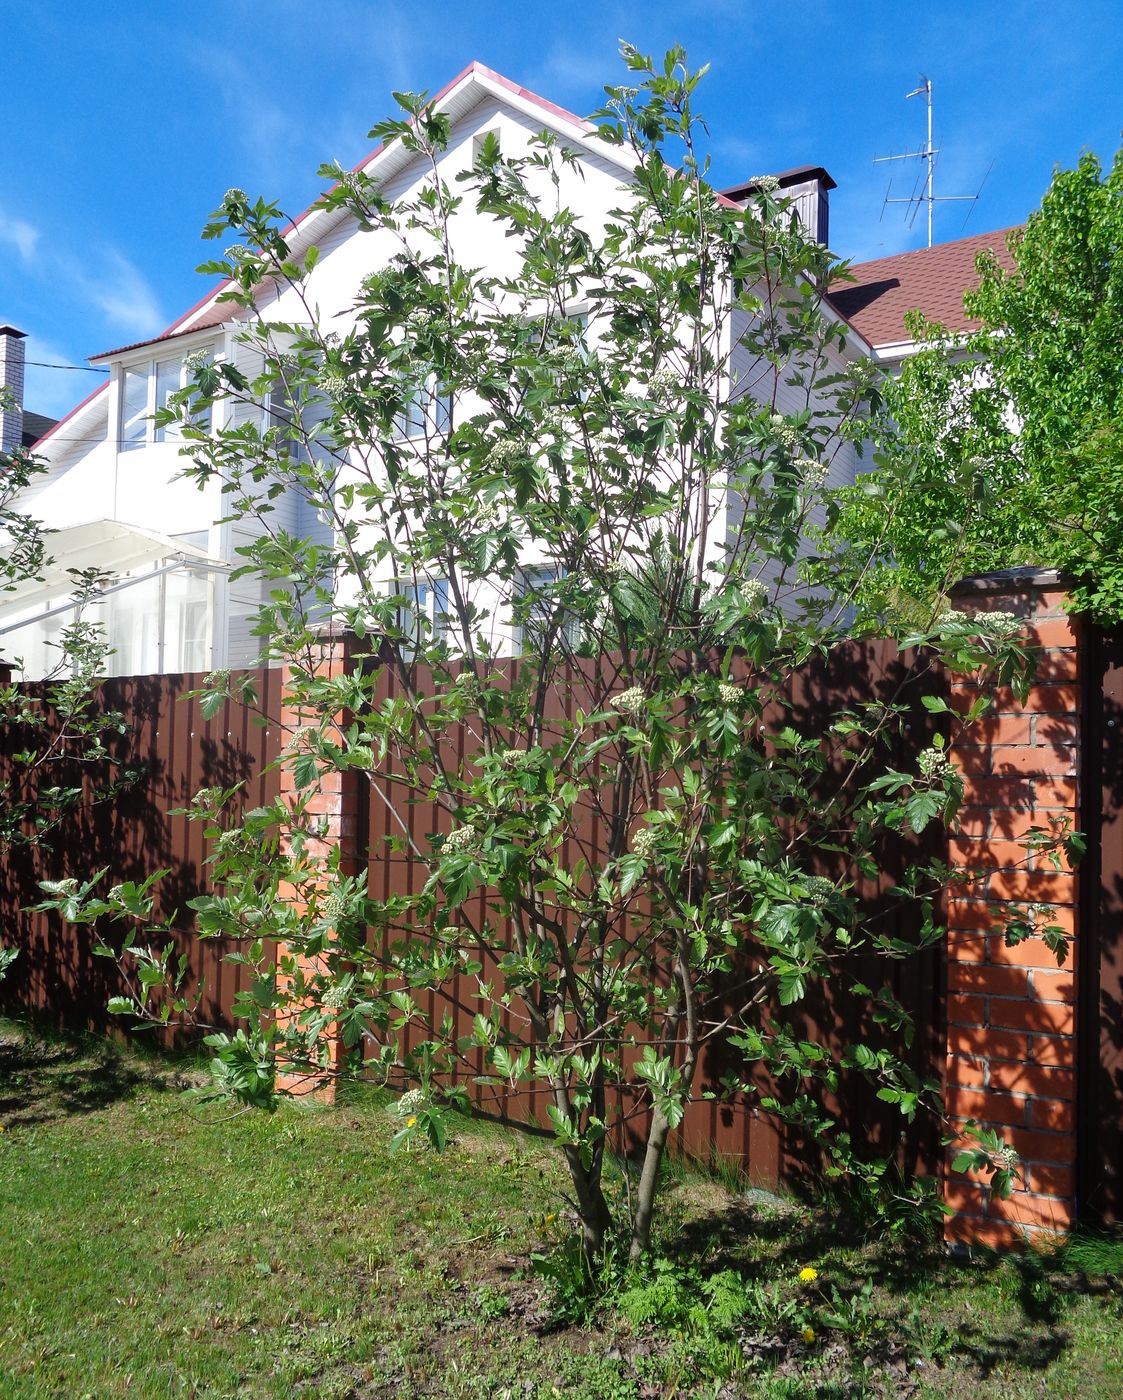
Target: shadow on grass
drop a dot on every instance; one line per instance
(45, 1078)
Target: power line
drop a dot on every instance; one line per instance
(86, 369)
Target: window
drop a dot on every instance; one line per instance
(424, 599)
(539, 610)
(134, 408)
(427, 412)
(146, 388)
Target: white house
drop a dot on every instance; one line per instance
(114, 491)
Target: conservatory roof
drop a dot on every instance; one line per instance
(110, 546)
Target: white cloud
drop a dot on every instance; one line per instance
(20, 235)
(49, 390)
(122, 294)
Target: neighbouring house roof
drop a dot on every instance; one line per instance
(930, 280)
(34, 426)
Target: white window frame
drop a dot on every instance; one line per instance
(150, 368)
(433, 414)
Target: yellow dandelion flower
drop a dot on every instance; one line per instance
(808, 1334)
(808, 1275)
(410, 1122)
(551, 1218)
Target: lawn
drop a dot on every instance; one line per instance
(153, 1247)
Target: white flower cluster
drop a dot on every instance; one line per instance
(503, 453)
(513, 759)
(632, 700)
(663, 380)
(115, 893)
(193, 363)
(461, 842)
(235, 196)
(934, 764)
(410, 1103)
(997, 627)
(730, 694)
(784, 435)
(1007, 1158)
(235, 253)
(765, 184)
(814, 473)
(755, 593)
(206, 797)
(644, 842)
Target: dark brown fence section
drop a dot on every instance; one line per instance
(738, 1131)
(56, 974)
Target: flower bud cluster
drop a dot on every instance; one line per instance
(820, 890)
(730, 694)
(765, 184)
(411, 1102)
(787, 438)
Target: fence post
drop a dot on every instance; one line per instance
(1011, 1034)
(335, 801)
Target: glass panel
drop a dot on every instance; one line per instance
(34, 648)
(186, 621)
(168, 376)
(134, 408)
(133, 627)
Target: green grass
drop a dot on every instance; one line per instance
(149, 1247)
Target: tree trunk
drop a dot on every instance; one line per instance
(596, 1218)
(648, 1184)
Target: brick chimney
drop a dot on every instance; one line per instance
(11, 377)
(808, 187)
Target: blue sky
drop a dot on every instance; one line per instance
(124, 123)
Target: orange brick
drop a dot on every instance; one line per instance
(1031, 953)
(985, 1040)
(972, 759)
(1035, 886)
(1020, 1014)
(996, 981)
(965, 1195)
(1057, 1116)
(1047, 1081)
(1024, 1209)
(970, 914)
(984, 1106)
(987, 855)
(965, 1010)
(1000, 728)
(1048, 1179)
(1015, 790)
(1052, 632)
(1058, 665)
(1055, 730)
(1051, 1050)
(1056, 792)
(992, 1234)
(1048, 762)
(1055, 986)
(1035, 1146)
(973, 823)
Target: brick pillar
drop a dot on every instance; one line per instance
(1011, 1045)
(335, 801)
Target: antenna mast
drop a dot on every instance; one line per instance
(928, 154)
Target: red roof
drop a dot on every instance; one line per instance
(930, 280)
(216, 315)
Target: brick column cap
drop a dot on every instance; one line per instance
(1027, 576)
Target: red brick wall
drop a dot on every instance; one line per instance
(1011, 1047)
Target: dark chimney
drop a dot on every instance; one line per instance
(11, 378)
(807, 187)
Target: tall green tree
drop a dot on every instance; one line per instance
(631, 517)
(1005, 447)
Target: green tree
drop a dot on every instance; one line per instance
(1004, 447)
(641, 516)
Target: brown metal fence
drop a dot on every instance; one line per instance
(56, 975)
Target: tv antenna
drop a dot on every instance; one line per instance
(927, 153)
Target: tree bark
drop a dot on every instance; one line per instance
(648, 1185)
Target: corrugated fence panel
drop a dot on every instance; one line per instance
(178, 752)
